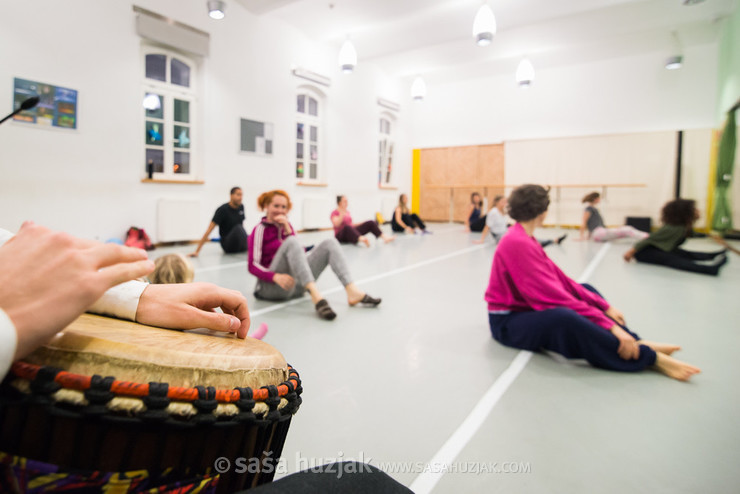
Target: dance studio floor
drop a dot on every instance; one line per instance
(418, 387)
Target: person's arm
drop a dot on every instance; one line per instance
(537, 280)
(47, 279)
(337, 218)
(8, 343)
(397, 214)
(254, 255)
(584, 225)
(471, 207)
(203, 240)
(629, 255)
(482, 238)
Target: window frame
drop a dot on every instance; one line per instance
(308, 121)
(384, 181)
(169, 93)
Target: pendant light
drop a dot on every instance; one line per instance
(484, 26)
(347, 57)
(418, 89)
(525, 73)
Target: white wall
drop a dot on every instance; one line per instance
(620, 95)
(88, 181)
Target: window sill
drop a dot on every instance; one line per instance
(312, 184)
(159, 181)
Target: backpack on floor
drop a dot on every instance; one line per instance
(137, 237)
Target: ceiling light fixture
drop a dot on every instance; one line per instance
(675, 62)
(347, 57)
(484, 26)
(692, 2)
(152, 102)
(216, 9)
(525, 73)
(418, 89)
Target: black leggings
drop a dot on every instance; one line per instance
(411, 220)
(477, 225)
(235, 241)
(685, 260)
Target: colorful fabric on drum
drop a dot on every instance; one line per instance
(23, 475)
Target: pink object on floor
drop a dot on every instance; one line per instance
(260, 332)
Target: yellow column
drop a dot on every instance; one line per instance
(415, 180)
(714, 153)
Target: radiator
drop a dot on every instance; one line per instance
(316, 213)
(177, 220)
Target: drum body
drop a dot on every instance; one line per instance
(174, 403)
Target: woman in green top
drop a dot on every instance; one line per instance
(661, 247)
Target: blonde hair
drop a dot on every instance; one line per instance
(265, 199)
(172, 268)
(404, 208)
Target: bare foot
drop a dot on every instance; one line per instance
(666, 348)
(388, 239)
(365, 241)
(674, 368)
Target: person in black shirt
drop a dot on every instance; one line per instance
(229, 218)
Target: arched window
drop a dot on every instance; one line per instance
(169, 113)
(309, 134)
(385, 151)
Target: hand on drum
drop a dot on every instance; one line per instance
(190, 306)
(47, 279)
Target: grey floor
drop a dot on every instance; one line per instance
(391, 385)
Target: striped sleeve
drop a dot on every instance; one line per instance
(254, 255)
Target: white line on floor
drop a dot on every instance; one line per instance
(372, 278)
(425, 482)
(222, 266)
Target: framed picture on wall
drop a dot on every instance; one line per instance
(256, 137)
(57, 105)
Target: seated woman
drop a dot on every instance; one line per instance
(404, 220)
(347, 233)
(476, 221)
(594, 224)
(497, 225)
(533, 305)
(284, 270)
(661, 247)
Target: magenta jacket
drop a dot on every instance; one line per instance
(262, 245)
(523, 278)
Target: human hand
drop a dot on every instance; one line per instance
(629, 255)
(628, 349)
(616, 315)
(191, 305)
(48, 278)
(284, 281)
(410, 230)
(193, 254)
(479, 241)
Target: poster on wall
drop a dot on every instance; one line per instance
(57, 105)
(256, 137)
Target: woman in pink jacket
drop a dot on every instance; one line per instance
(533, 305)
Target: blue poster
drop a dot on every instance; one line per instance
(57, 105)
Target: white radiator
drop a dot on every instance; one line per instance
(177, 220)
(316, 213)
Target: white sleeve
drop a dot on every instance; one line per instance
(8, 343)
(121, 301)
(4, 236)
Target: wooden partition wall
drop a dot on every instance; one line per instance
(468, 167)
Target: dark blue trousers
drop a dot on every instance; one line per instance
(568, 333)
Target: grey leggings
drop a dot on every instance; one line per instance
(304, 268)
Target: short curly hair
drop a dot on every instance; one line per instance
(528, 201)
(679, 212)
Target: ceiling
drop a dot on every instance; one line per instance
(434, 38)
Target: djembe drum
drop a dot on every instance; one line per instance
(174, 404)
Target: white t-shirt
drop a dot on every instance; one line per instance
(496, 222)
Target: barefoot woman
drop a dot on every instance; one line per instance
(533, 305)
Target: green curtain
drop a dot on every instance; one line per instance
(722, 218)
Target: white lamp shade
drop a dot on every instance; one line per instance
(418, 89)
(525, 73)
(673, 63)
(347, 57)
(216, 9)
(484, 26)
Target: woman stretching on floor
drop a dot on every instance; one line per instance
(404, 220)
(593, 223)
(661, 247)
(497, 225)
(347, 233)
(284, 270)
(476, 222)
(533, 305)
